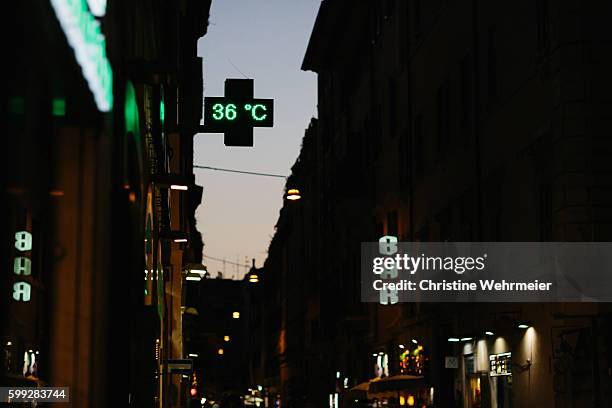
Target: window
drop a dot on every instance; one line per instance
(392, 223)
(404, 161)
(392, 101)
(417, 17)
(444, 116)
(465, 101)
(546, 212)
(491, 65)
(542, 17)
(419, 146)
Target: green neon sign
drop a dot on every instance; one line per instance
(251, 113)
(84, 35)
(230, 111)
(237, 113)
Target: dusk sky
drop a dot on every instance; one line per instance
(265, 40)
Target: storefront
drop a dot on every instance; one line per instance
(487, 373)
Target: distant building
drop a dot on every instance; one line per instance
(215, 333)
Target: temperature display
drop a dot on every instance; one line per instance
(224, 112)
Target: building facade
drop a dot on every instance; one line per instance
(443, 121)
(96, 238)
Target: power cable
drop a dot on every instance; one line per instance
(227, 262)
(253, 173)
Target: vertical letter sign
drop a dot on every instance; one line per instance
(22, 266)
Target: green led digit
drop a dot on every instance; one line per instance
(218, 111)
(230, 111)
(254, 112)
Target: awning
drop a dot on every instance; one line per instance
(390, 386)
(360, 391)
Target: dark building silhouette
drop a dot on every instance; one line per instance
(91, 286)
(443, 121)
(216, 335)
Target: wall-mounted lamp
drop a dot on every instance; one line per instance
(253, 278)
(194, 277)
(524, 325)
(173, 181)
(174, 236)
(293, 194)
(196, 269)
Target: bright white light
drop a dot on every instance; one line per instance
(414, 341)
(453, 339)
(466, 338)
(489, 333)
(9, 343)
(178, 187)
(97, 7)
(180, 239)
(83, 33)
(337, 374)
(193, 278)
(401, 346)
(193, 355)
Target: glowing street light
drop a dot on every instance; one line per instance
(253, 278)
(293, 194)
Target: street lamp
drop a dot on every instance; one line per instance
(293, 194)
(253, 278)
(194, 277)
(174, 236)
(172, 181)
(194, 270)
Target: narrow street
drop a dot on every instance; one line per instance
(308, 204)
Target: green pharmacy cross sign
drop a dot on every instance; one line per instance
(237, 113)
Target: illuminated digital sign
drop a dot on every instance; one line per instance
(501, 364)
(253, 113)
(237, 113)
